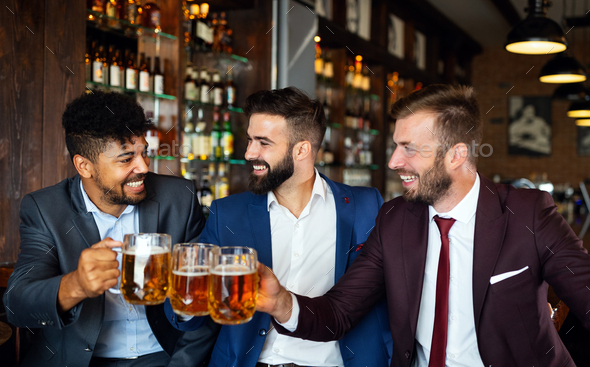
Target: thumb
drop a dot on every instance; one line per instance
(107, 243)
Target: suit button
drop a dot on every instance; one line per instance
(408, 354)
(262, 332)
(87, 349)
(43, 323)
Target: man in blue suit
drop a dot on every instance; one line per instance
(307, 228)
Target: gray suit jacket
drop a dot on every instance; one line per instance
(55, 228)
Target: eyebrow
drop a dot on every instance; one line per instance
(403, 143)
(126, 154)
(264, 138)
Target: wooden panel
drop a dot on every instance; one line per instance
(21, 97)
(65, 34)
(378, 123)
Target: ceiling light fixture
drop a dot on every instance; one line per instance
(562, 69)
(536, 34)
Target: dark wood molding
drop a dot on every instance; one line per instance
(508, 11)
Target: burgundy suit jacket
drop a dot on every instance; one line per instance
(514, 228)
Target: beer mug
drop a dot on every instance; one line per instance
(146, 261)
(233, 284)
(190, 278)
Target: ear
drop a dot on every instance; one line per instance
(458, 155)
(84, 166)
(302, 150)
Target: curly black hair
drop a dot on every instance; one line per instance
(98, 118)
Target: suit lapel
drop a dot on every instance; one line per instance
(260, 227)
(345, 213)
(84, 222)
(414, 247)
(490, 228)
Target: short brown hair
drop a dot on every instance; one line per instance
(458, 119)
(305, 117)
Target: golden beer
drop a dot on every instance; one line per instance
(144, 279)
(233, 290)
(188, 290)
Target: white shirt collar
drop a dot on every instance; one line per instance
(465, 210)
(91, 208)
(319, 188)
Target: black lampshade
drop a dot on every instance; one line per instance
(570, 92)
(536, 34)
(580, 109)
(562, 69)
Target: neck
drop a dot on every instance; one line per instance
(458, 190)
(95, 195)
(294, 194)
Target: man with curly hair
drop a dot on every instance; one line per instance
(67, 264)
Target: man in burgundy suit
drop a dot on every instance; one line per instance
(464, 263)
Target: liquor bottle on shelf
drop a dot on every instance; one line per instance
(212, 179)
(130, 73)
(328, 155)
(152, 137)
(196, 84)
(222, 183)
(216, 33)
(111, 12)
(204, 95)
(206, 195)
(227, 138)
(190, 91)
(226, 34)
(97, 6)
(144, 75)
(203, 35)
(97, 64)
(187, 149)
(158, 78)
(230, 91)
(151, 15)
(130, 11)
(115, 69)
(201, 141)
(106, 63)
(319, 62)
(88, 70)
(151, 75)
(328, 76)
(217, 90)
(138, 13)
(215, 138)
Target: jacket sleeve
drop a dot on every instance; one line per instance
(196, 219)
(31, 298)
(566, 264)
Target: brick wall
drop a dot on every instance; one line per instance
(495, 72)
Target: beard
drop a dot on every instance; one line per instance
(274, 177)
(433, 186)
(109, 195)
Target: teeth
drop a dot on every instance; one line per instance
(408, 178)
(259, 168)
(134, 184)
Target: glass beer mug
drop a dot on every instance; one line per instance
(233, 284)
(146, 261)
(190, 278)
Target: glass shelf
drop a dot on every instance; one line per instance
(372, 167)
(163, 157)
(210, 105)
(370, 131)
(123, 27)
(149, 94)
(231, 161)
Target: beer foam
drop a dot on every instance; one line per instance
(156, 250)
(196, 271)
(233, 269)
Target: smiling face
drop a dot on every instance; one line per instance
(418, 159)
(116, 179)
(270, 153)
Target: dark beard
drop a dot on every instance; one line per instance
(274, 178)
(433, 186)
(114, 198)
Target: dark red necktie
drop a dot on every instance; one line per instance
(438, 347)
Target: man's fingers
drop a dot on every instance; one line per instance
(101, 254)
(107, 243)
(264, 271)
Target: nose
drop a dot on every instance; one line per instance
(397, 159)
(252, 152)
(142, 164)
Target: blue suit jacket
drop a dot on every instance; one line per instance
(246, 214)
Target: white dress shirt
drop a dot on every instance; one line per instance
(303, 258)
(462, 347)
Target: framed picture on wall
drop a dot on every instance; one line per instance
(420, 50)
(529, 130)
(395, 36)
(358, 18)
(583, 140)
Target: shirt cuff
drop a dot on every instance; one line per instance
(293, 321)
(184, 318)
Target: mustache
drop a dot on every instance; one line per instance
(139, 177)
